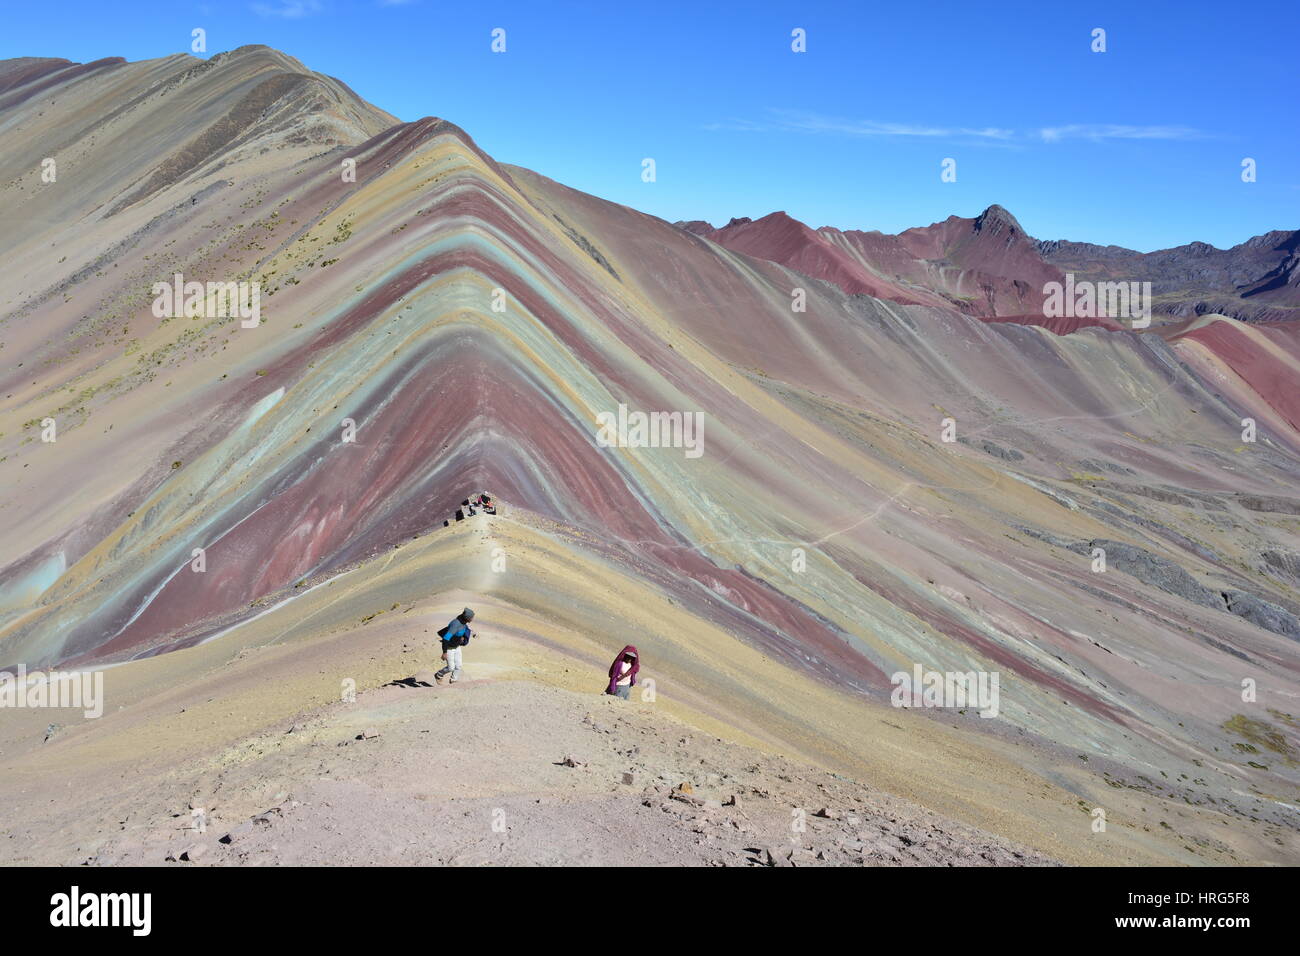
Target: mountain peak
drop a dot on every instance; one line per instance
(994, 217)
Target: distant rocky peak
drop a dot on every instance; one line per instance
(996, 219)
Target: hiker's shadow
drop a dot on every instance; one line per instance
(415, 681)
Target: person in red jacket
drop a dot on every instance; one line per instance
(622, 673)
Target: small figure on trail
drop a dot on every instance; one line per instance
(622, 673)
(454, 636)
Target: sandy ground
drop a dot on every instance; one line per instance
(479, 774)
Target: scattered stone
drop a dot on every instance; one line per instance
(238, 833)
(193, 853)
(778, 856)
(685, 787)
(571, 761)
(368, 734)
(733, 801)
(629, 778)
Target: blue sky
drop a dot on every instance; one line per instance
(1139, 146)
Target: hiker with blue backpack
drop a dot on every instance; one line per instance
(454, 636)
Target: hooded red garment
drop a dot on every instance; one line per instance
(614, 673)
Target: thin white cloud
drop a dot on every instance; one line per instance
(803, 122)
(795, 121)
(1098, 132)
(817, 123)
(288, 9)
